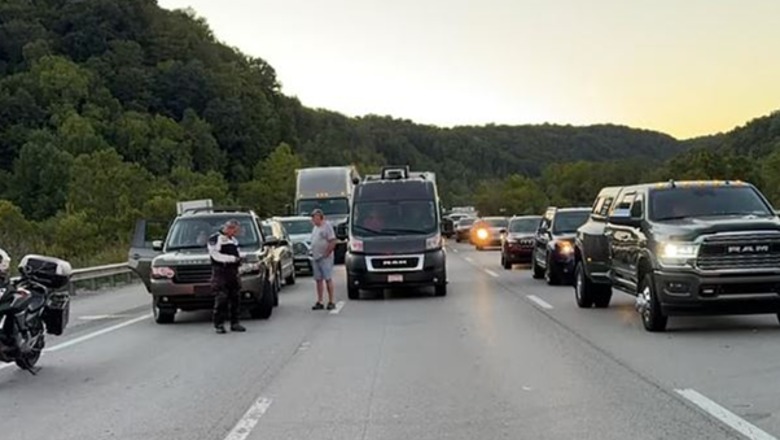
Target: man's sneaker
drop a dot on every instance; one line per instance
(331, 306)
(318, 306)
(237, 328)
(220, 329)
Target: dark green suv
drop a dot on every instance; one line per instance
(177, 270)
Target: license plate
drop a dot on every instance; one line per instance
(202, 290)
(395, 278)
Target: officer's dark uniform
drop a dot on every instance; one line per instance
(225, 280)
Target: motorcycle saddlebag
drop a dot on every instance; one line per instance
(57, 313)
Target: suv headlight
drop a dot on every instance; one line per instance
(250, 268)
(565, 248)
(163, 272)
(482, 234)
(677, 253)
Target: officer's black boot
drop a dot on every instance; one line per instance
(236, 327)
(220, 329)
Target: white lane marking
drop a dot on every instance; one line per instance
(89, 336)
(101, 317)
(304, 346)
(249, 420)
(4, 366)
(491, 273)
(337, 310)
(734, 421)
(455, 250)
(540, 302)
(469, 259)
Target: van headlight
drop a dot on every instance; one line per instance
(433, 243)
(677, 253)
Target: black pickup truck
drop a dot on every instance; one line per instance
(681, 248)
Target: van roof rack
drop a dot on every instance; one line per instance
(216, 209)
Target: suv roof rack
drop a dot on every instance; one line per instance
(216, 209)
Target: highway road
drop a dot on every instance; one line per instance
(502, 356)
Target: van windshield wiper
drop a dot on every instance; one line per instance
(369, 230)
(406, 231)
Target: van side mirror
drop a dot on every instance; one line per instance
(342, 232)
(157, 245)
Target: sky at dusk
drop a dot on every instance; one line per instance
(684, 67)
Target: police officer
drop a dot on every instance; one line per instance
(225, 278)
(5, 266)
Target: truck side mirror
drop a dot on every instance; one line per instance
(157, 245)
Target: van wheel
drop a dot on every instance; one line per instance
(265, 307)
(163, 315)
(649, 307)
(353, 292)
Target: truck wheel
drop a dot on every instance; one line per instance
(265, 307)
(551, 274)
(649, 308)
(602, 295)
(441, 289)
(583, 287)
(163, 315)
(352, 291)
(536, 271)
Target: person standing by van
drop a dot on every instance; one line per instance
(323, 243)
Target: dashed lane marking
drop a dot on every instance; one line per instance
(539, 302)
(249, 420)
(732, 420)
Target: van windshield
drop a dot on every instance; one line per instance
(339, 206)
(388, 218)
(194, 232)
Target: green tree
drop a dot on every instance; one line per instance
(273, 187)
(39, 184)
(18, 236)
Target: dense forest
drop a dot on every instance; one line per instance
(112, 110)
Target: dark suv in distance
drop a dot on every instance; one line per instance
(681, 248)
(553, 255)
(177, 271)
(517, 241)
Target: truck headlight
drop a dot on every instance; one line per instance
(677, 252)
(482, 234)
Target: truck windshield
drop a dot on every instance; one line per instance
(338, 206)
(569, 222)
(388, 218)
(193, 233)
(524, 225)
(298, 227)
(679, 203)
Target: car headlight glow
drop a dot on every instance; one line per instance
(565, 248)
(482, 234)
(678, 252)
(163, 272)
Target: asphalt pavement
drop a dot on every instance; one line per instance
(502, 356)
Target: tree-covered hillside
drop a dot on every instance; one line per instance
(111, 110)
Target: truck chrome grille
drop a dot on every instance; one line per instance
(740, 251)
(195, 274)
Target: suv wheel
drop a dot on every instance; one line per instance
(441, 289)
(163, 315)
(583, 287)
(551, 273)
(265, 307)
(505, 262)
(537, 272)
(290, 281)
(649, 308)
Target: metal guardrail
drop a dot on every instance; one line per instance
(96, 276)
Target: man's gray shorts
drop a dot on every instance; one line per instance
(322, 269)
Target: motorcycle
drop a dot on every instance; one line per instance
(30, 306)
